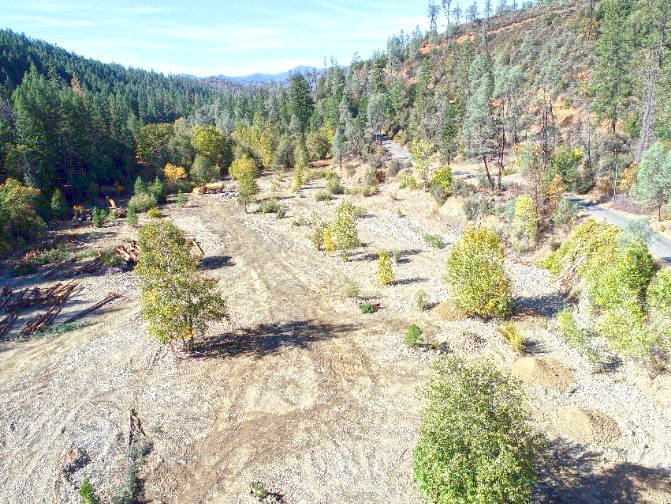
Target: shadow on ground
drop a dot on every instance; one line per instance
(542, 306)
(572, 476)
(216, 262)
(267, 339)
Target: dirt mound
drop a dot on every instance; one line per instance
(446, 311)
(543, 371)
(587, 425)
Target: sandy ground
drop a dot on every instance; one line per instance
(298, 389)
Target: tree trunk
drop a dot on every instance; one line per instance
(489, 177)
(652, 77)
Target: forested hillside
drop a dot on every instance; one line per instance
(569, 88)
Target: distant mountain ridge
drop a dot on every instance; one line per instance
(259, 78)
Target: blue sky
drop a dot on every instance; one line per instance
(210, 38)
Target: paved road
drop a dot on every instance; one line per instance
(659, 245)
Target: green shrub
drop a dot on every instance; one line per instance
(110, 257)
(385, 271)
(366, 307)
(409, 182)
(87, 494)
(62, 328)
(58, 206)
(396, 256)
(344, 226)
(589, 248)
(139, 187)
(351, 170)
(317, 235)
(157, 190)
(625, 279)
(203, 170)
(434, 240)
(442, 177)
(565, 213)
(461, 188)
(154, 213)
(99, 216)
(476, 276)
(365, 190)
(269, 206)
(33, 260)
(476, 444)
(512, 335)
(422, 300)
(413, 336)
(142, 202)
(659, 292)
(181, 198)
(334, 186)
(323, 196)
(576, 336)
(625, 329)
(526, 217)
(131, 217)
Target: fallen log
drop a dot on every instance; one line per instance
(7, 323)
(110, 297)
(40, 321)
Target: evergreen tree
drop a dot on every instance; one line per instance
(653, 182)
(612, 80)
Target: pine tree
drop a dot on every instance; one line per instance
(612, 79)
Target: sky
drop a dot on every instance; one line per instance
(207, 37)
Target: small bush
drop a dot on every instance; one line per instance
(63, 328)
(385, 272)
(409, 182)
(422, 300)
(366, 308)
(154, 213)
(476, 443)
(434, 240)
(131, 217)
(130, 488)
(344, 226)
(351, 170)
(33, 260)
(142, 202)
(512, 335)
(565, 213)
(323, 196)
(461, 188)
(269, 206)
(334, 186)
(58, 206)
(139, 187)
(476, 276)
(99, 216)
(396, 256)
(526, 217)
(394, 168)
(438, 193)
(351, 289)
(364, 190)
(87, 494)
(317, 236)
(576, 336)
(470, 208)
(413, 336)
(110, 258)
(442, 177)
(181, 198)
(157, 190)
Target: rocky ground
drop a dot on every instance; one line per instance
(298, 389)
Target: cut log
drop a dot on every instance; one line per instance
(110, 297)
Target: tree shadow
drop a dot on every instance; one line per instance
(409, 281)
(544, 306)
(404, 254)
(570, 475)
(266, 339)
(216, 262)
